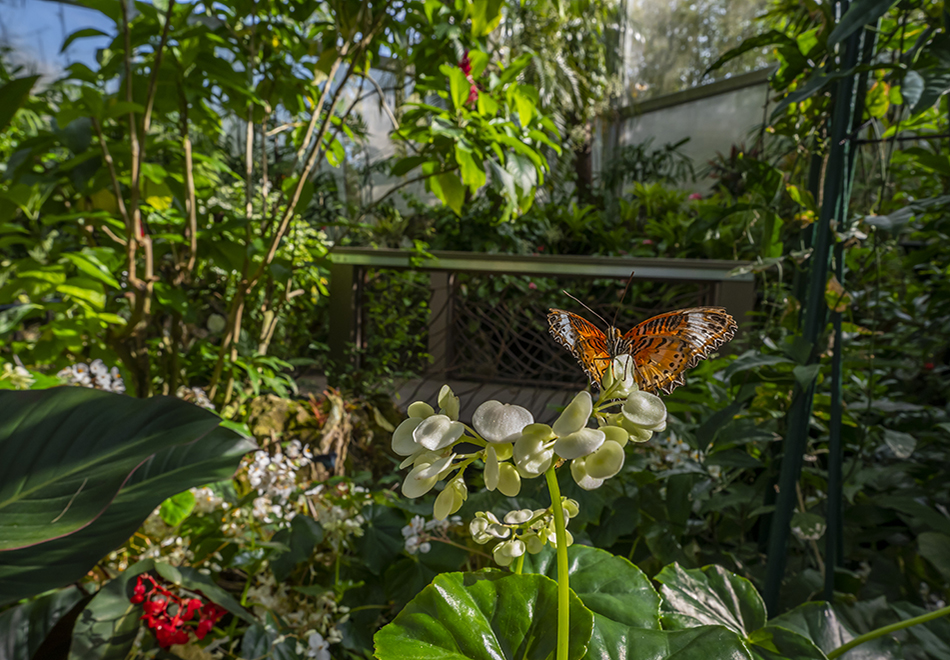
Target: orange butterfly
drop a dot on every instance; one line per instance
(662, 347)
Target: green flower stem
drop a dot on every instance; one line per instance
(519, 564)
(886, 630)
(563, 588)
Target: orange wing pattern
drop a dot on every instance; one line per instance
(665, 346)
(662, 347)
(583, 339)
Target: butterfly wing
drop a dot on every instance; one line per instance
(665, 346)
(587, 343)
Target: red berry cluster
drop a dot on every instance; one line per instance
(465, 65)
(167, 626)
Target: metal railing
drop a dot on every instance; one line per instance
(528, 357)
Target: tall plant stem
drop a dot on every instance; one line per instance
(886, 630)
(563, 587)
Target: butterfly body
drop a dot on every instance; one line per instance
(662, 347)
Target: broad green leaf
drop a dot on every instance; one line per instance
(472, 173)
(85, 289)
(618, 594)
(935, 548)
(458, 86)
(859, 14)
(14, 94)
(191, 579)
(405, 165)
(268, 640)
(486, 15)
(478, 60)
(709, 596)
(450, 190)
(775, 643)
(877, 101)
(488, 615)
(81, 34)
(902, 444)
(25, 627)
(80, 469)
(819, 623)
(753, 360)
(304, 535)
(176, 508)
(87, 262)
(766, 39)
(107, 626)
(382, 540)
(805, 374)
(526, 100)
(700, 643)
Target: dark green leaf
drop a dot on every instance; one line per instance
(819, 623)
(81, 34)
(709, 596)
(859, 14)
(701, 643)
(25, 627)
(483, 616)
(935, 548)
(101, 463)
(14, 94)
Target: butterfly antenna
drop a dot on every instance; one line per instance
(587, 308)
(622, 296)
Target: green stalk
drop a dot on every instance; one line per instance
(886, 630)
(563, 588)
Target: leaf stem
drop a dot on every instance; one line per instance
(886, 630)
(563, 588)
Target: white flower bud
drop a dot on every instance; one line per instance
(491, 468)
(533, 543)
(437, 432)
(645, 410)
(509, 481)
(507, 552)
(500, 422)
(420, 409)
(579, 443)
(616, 434)
(575, 415)
(450, 499)
(419, 481)
(531, 456)
(518, 516)
(619, 376)
(448, 403)
(403, 442)
(571, 507)
(637, 433)
(584, 480)
(605, 462)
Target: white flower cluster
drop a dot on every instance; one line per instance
(522, 531)
(18, 375)
(419, 532)
(207, 501)
(275, 479)
(673, 452)
(96, 375)
(316, 622)
(196, 395)
(513, 447)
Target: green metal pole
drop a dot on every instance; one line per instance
(799, 414)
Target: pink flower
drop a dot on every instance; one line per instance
(647, 241)
(465, 65)
(696, 196)
(532, 286)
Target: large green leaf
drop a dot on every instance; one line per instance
(91, 466)
(859, 14)
(487, 615)
(617, 592)
(819, 623)
(14, 94)
(775, 643)
(24, 628)
(702, 643)
(709, 596)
